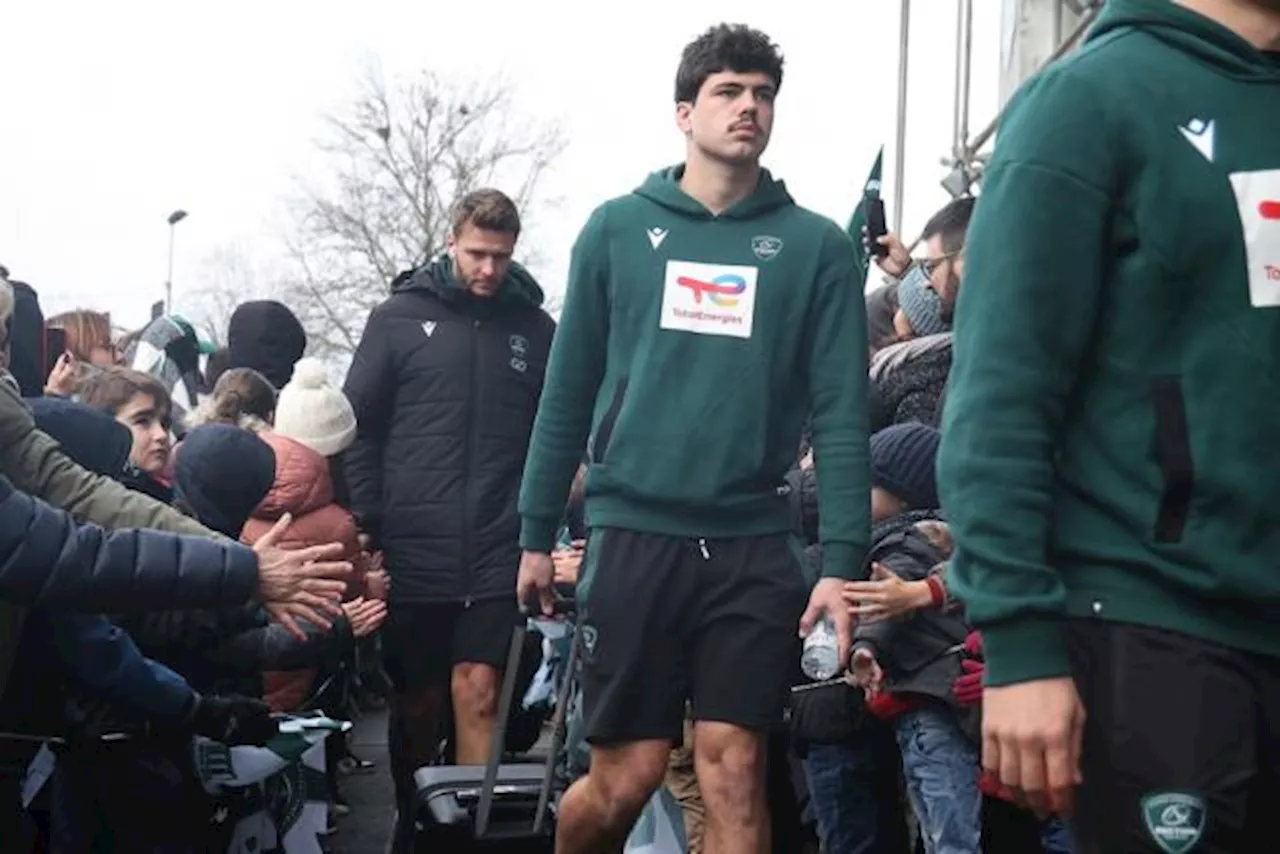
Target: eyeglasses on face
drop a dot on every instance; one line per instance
(931, 265)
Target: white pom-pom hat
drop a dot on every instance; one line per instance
(311, 411)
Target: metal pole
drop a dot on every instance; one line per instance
(964, 53)
(1085, 22)
(900, 151)
(168, 282)
(173, 219)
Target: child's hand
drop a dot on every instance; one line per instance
(364, 615)
(885, 595)
(866, 672)
(377, 584)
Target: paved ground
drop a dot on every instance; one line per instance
(368, 827)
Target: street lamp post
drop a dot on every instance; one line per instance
(174, 218)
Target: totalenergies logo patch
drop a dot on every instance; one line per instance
(723, 290)
(709, 299)
(1269, 209)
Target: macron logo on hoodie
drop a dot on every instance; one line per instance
(1199, 133)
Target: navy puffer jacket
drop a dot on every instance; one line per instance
(46, 558)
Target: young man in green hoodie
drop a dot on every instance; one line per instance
(706, 316)
(1108, 460)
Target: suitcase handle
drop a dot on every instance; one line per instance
(558, 732)
(485, 808)
(565, 605)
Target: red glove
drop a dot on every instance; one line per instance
(989, 784)
(967, 689)
(973, 644)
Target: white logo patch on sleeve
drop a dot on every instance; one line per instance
(709, 299)
(1258, 199)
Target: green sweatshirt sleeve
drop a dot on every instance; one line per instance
(574, 372)
(837, 338)
(1034, 264)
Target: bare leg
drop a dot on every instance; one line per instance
(731, 765)
(475, 707)
(598, 811)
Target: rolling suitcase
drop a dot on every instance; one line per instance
(502, 806)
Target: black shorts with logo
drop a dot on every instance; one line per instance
(670, 619)
(422, 642)
(1181, 743)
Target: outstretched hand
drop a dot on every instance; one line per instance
(885, 596)
(365, 615)
(300, 583)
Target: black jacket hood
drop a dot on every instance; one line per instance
(518, 288)
(91, 438)
(266, 336)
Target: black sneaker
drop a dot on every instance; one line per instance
(352, 764)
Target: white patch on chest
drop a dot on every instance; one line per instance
(709, 299)
(1258, 200)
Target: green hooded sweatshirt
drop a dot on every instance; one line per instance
(1109, 443)
(691, 348)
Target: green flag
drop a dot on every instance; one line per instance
(871, 190)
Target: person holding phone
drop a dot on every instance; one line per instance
(73, 340)
(62, 368)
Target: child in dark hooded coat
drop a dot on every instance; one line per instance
(221, 474)
(909, 664)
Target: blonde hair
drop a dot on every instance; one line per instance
(85, 330)
(241, 396)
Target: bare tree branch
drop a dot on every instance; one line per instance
(228, 278)
(401, 157)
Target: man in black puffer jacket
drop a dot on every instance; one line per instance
(445, 385)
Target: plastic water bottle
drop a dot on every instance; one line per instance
(820, 659)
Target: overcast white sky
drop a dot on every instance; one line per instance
(113, 114)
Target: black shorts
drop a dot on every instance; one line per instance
(669, 619)
(422, 642)
(1181, 743)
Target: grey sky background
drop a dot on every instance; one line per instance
(114, 114)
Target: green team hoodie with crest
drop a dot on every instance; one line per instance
(1110, 439)
(690, 350)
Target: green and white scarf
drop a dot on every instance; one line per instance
(275, 794)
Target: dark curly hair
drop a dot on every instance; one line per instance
(726, 47)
